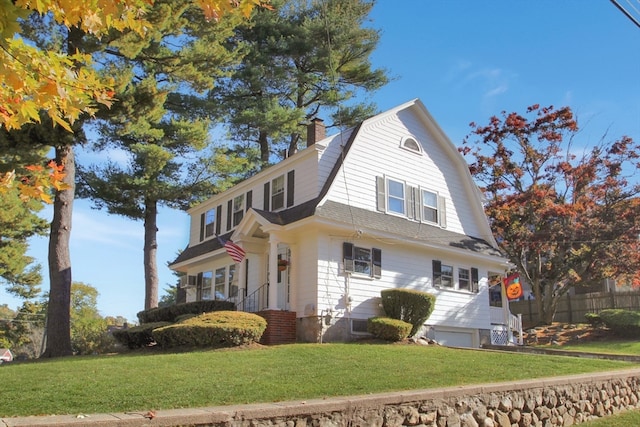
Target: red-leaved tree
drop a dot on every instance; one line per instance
(565, 215)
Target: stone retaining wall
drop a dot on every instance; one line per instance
(559, 401)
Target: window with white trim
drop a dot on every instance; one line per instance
(442, 274)
(206, 284)
(209, 222)
(429, 206)
(411, 144)
(464, 279)
(277, 193)
(395, 196)
(238, 209)
(220, 283)
(362, 261)
(414, 202)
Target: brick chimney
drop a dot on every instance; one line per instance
(315, 131)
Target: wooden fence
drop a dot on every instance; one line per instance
(572, 308)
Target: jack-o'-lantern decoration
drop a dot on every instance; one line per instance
(513, 287)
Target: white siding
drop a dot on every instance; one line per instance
(402, 267)
(304, 283)
(377, 152)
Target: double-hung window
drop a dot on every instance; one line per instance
(238, 209)
(206, 285)
(442, 274)
(209, 222)
(277, 193)
(362, 261)
(464, 279)
(220, 282)
(429, 206)
(395, 197)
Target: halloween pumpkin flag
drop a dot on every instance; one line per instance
(513, 287)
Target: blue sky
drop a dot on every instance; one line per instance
(466, 60)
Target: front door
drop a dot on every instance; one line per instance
(283, 277)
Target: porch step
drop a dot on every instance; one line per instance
(281, 327)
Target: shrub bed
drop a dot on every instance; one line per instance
(624, 323)
(409, 305)
(138, 336)
(388, 329)
(215, 329)
(172, 312)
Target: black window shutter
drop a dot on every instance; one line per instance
(347, 255)
(474, 280)
(249, 199)
(290, 187)
(218, 219)
(437, 272)
(201, 227)
(380, 194)
(229, 213)
(376, 255)
(267, 196)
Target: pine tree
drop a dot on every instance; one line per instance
(309, 58)
(160, 122)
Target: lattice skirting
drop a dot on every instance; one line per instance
(499, 336)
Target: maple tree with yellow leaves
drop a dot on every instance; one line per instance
(34, 81)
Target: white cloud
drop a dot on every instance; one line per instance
(100, 228)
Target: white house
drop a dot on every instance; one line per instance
(387, 204)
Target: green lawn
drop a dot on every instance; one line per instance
(141, 381)
(609, 347)
(625, 419)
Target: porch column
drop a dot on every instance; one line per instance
(242, 281)
(273, 273)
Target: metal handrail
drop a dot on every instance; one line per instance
(256, 301)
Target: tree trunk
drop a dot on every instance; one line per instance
(150, 254)
(264, 147)
(58, 311)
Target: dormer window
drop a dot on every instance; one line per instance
(410, 143)
(210, 222)
(277, 193)
(238, 209)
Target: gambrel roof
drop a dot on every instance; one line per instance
(372, 221)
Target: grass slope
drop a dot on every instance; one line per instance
(140, 382)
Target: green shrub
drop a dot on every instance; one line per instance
(409, 305)
(172, 312)
(388, 329)
(593, 319)
(138, 336)
(215, 329)
(622, 322)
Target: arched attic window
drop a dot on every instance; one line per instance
(410, 143)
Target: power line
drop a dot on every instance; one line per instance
(627, 13)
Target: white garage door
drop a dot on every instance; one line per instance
(455, 339)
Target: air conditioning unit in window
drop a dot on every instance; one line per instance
(187, 282)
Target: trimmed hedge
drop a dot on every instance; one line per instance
(409, 305)
(215, 329)
(622, 322)
(172, 312)
(138, 336)
(593, 319)
(388, 329)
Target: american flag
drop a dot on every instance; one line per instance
(235, 252)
